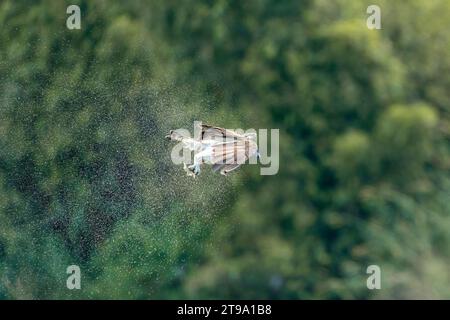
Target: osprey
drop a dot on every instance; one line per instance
(226, 150)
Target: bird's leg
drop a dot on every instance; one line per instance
(195, 168)
(188, 170)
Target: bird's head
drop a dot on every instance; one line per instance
(169, 136)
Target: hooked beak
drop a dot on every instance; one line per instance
(169, 136)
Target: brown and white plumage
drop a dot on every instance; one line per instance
(226, 150)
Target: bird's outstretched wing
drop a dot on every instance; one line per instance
(216, 133)
(229, 156)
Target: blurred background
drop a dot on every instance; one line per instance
(86, 176)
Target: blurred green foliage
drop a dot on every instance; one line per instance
(86, 178)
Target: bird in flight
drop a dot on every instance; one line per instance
(226, 150)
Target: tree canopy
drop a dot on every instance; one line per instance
(86, 176)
